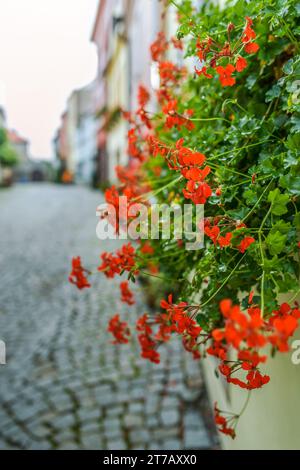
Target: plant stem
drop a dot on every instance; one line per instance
(294, 297)
(240, 148)
(157, 277)
(225, 282)
(245, 404)
(262, 285)
(208, 119)
(257, 203)
(155, 193)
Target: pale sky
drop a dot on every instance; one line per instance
(45, 53)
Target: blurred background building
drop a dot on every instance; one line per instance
(91, 140)
(16, 165)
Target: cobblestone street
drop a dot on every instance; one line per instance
(65, 386)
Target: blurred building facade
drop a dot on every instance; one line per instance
(75, 141)
(91, 140)
(61, 150)
(86, 135)
(28, 169)
(23, 169)
(18, 165)
(123, 32)
(101, 38)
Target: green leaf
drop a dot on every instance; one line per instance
(288, 283)
(273, 93)
(297, 221)
(295, 121)
(250, 197)
(288, 67)
(291, 183)
(272, 264)
(293, 142)
(279, 202)
(276, 242)
(281, 226)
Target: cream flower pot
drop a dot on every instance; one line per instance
(272, 417)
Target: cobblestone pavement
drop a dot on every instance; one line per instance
(65, 386)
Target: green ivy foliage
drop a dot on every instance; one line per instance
(250, 134)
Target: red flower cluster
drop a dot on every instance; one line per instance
(159, 47)
(127, 176)
(198, 193)
(143, 99)
(284, 323)
(241, 331)
(210, 52)
(119, 330)
(174, 119)
(177, 320)
(119, 215)
(188, 161)
(147, 342)
(245, 243)
(170, 73)
(126, 294)
(239, 327)
(143, 96)
(133, 149)
(223, 423)
(214, 233)
(174, 320)
(225, 74)
(78, 274)
(248, 333)
(177, 43)
(123, 260)
(248, 36)
(147, 249)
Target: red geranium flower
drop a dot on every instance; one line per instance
(248, 33)
(159, 47)
(251, 47)
(198, 193)
(245, 243)
(146, 340)
(78, 274)
(214, 234)
(225, 241)
(223, 424)
(119, 330)
(123, 260)
(147, 249)
(241, 64)
(126, 294)
(225, 74)
(204, 72)
(195, 174)
(284, 328)
(143, 96)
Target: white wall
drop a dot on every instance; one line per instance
(272, 417)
